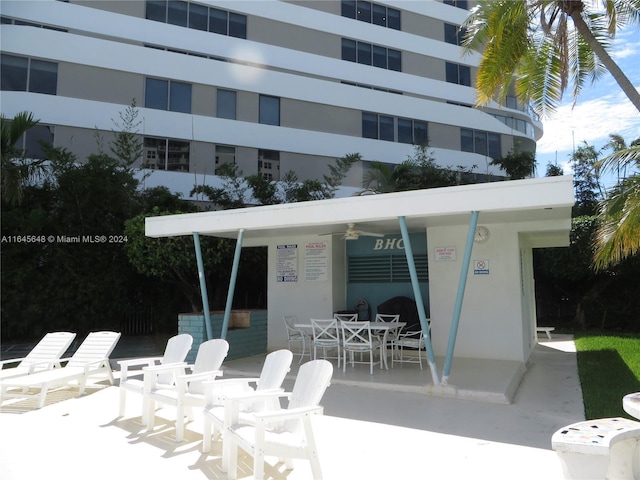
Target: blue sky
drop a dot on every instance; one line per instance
(601, 109)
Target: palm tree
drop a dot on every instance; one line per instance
(15, 169)
(541, 46)
(618, 233)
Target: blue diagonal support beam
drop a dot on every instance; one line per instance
(408, 251)
(462, 283)
(203, 286)
(232, 284)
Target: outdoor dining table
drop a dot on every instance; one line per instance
(631, 404)
(383, 327)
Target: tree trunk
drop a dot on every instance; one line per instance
(619, 76)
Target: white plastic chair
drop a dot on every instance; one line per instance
(44, 356)
(413, 340)
(175, 352)
(357, 338)
(90, 359)
(274, 370)
(326, 335)
(297, 335)
(189, 390)
(284, 433)
(346, 317)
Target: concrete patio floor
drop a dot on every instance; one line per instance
(367, 431)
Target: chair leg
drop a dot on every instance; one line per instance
(123, 401)
(229, 457)
(206, 434)
(179, 422)
(258, 464)
(304, 347)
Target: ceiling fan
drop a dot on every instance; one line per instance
(353, 234)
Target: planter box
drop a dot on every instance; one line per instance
(247, 332)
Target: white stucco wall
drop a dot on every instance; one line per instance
(498, 312)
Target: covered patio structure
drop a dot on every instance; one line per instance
(479, 248)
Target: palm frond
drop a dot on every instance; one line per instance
(618, 235)
(626, 157)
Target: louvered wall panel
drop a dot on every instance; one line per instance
(385, 269)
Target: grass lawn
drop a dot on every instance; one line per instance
(609, 368)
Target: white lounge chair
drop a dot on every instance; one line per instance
(44, 356)
(274, 370)
(90, 359)
(283, 433)
(175, 352)
(189, 389)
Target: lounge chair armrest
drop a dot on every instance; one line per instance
(289, 414)
(253, 395)
(190, 377)
(216, 390)
(48, 364)
(149, 361)
(31, 364)
(10, 360)
(229, 382)
(167, 367)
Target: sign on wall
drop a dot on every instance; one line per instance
(287, 263)
(445, 254)
(481, 267)
(316, 263)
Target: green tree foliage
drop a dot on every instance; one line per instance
(418, 171)
(17, 170)
(70, 270)
(173, 259)
(517, 165)
(586, 183)
(554, 170)
(618, 236)
(567, 283)
(544, 47)
(238, 191)
(127, 145)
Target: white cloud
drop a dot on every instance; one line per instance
(591, 121)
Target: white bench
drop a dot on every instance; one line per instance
(546, 330)
(603, 448)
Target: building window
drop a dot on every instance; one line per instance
(167, 95)
(457, 3)
(226, 104)
(28, 75)
(371, 13)
(269, 110)
(380, 127)
(31, 141)
(482, 143)
(369, 125)
(368, 54)
(269, 164)
(237, 25)
(224, 154)
(166, 154)
(177, 13)
(156, 10)
(198, 17)
(460, 74)
(384, 127)
(412, 131)
(454, 34)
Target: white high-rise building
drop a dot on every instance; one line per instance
(271, 85)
